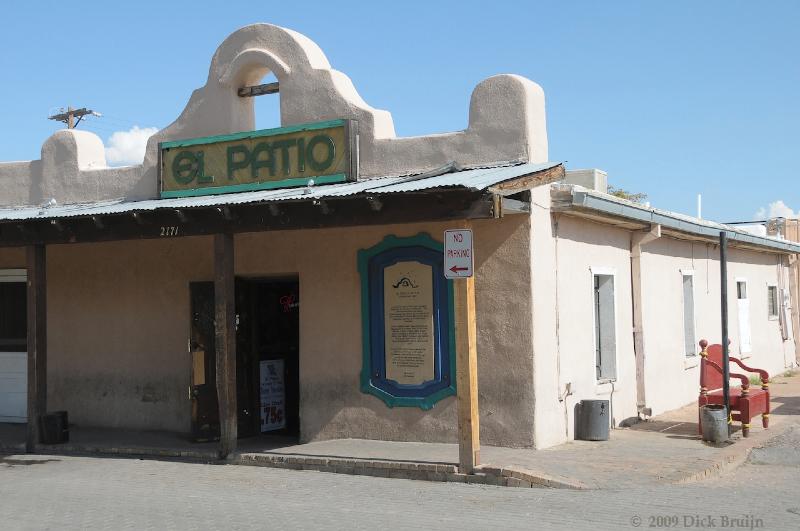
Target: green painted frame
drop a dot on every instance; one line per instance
(391, 241)
(251, 134)
(350, 133)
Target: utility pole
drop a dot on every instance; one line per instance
(69, 116)
(726, 370)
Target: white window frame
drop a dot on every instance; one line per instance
(693, 352)
(13, 358)
(14, 275)
(744, 352)
(612, 272)
(778, 305)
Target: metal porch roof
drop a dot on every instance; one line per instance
(474, 179)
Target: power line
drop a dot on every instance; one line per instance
(99, 125)
(120, 120)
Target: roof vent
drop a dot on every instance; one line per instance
(593, 179)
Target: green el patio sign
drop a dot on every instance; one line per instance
(258, 160)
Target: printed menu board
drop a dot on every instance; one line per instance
(273, 396)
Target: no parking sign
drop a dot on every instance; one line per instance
(458, 261)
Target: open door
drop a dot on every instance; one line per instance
(267, 359)
(276, 343)
(205, 408)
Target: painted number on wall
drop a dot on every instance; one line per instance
(170, 230)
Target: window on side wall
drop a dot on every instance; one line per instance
(743, 307)
(741, 289)
(605, 334)
(772, 302)
(689, 342)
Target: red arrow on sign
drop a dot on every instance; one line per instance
(456, 269)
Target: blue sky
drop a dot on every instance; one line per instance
(670, 98)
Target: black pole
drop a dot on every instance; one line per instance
(723, 274)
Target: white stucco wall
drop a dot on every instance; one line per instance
(549, 414)
(566, 248)
(672, 379)
(582, 246)
(565, 251)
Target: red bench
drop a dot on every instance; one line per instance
(745, 403)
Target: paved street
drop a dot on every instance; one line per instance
(56, 492)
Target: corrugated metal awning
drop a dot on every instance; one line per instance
(474, 179)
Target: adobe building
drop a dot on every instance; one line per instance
(292, 280)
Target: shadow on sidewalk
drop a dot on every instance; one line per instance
(11, 461)
(674, 428)
(789, 405)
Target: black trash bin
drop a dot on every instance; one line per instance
(593, 421)
(54, 428)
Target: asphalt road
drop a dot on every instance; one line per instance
(55, 492)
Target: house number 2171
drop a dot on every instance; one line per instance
(171, 230)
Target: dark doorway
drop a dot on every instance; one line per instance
(267, 358)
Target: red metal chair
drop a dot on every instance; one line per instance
(745, 402)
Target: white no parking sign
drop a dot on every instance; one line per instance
(458, 260)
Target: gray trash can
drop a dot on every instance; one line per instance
(593, 423)
(714, 419)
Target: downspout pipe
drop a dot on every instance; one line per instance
(638, 239)
(794, 300)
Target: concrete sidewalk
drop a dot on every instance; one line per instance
(665, 449)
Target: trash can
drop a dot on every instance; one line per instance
(54, 428)
(593, 420)
(714, 418)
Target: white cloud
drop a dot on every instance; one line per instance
(127, 147)
(778, 209)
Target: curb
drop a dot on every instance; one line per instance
(734, 456)
(413, 470)
(728, 463)
(71, 449)
(536, 479)
(507, 476)
(441, 472)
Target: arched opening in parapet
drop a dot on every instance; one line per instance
(267, 107)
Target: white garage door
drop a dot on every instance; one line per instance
(13, 358)
(13, 387)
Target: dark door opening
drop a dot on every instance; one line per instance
(267, 358)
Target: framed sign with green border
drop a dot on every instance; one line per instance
(407, 322)
(326, 152)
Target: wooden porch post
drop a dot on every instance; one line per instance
(225, 338)
(469, 445)
(37, 341)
